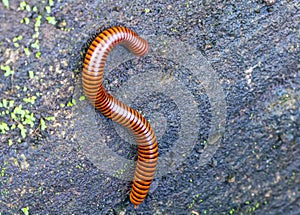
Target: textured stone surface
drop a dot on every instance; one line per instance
(254, 50)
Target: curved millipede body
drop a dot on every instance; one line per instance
(110, 107)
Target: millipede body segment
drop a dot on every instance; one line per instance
(110, 107)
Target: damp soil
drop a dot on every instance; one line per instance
(252, 47)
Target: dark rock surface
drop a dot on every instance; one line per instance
(253, 49)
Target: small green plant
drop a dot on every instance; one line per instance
(10, 142)
(43, 125)
(31, 74)
(24, 6)
(20, 118)
(22, 130)
(195, 198)
(51, 20)
(3, 127)
(50, 118)
(26, 51)
(48, 9)
(30, 100)
(35, 45)
(71, 103)
(25, 211)
(231, 211)
(5, 3)
(81, 98)
(16, 39)
(2, 170)
(25, 20)
(7, 69)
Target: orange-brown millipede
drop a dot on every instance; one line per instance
(92, 75)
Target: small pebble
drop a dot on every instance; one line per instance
(270, 2)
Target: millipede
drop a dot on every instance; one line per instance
(92, 83)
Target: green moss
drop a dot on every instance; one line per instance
(51, 3)
(231, 211)
(25, 20)
(5, 3)
(25, 211)
(37, 23)
(27, 7)
(51, 20)
(17, 38)
(195, 199)
(81, 98)
(22, 5)
(23, 130)
(79, 166)
(26, 51)
(203, 143)
(10, 142)
(30, 74)
(42, 124)
(3, 168)
(35, 45)
(253, 207)
(6, 103)
(35, 35)
(3, 127)
(21, 118)
(48, 9)
(50, 118)
(7, 70)
(38, 54)
(71, 103)
(30, 100)
(29, 119)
